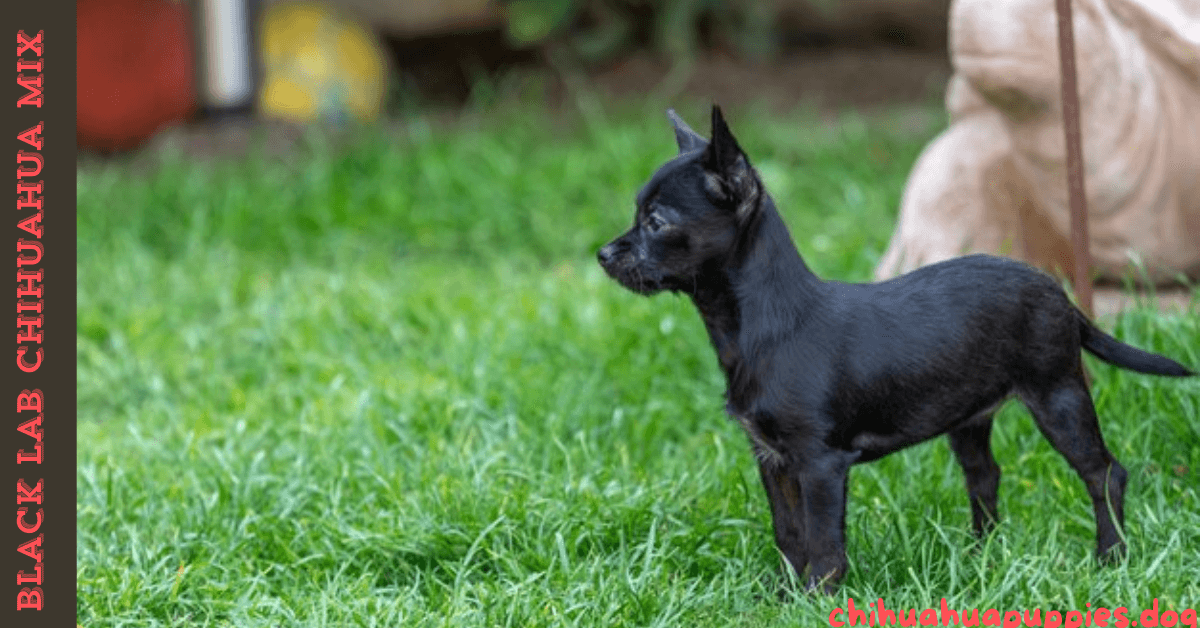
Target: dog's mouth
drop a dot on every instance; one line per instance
(634, 279)
(632, 276)
(632, 270)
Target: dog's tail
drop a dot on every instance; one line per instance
(1116, 352)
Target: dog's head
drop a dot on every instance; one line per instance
(689, 215)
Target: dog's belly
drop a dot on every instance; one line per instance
(875, 445)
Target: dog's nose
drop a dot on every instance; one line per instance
(605, 254)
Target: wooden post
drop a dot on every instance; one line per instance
(1076, 199)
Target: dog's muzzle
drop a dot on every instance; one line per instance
(617, 261)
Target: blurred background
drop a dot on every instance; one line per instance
(208, 60)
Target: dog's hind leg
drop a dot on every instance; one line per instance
(971, 444)
(1065, 414)
(787, 512)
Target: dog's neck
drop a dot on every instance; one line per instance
(755, 296)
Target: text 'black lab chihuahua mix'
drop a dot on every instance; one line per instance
(823, 375)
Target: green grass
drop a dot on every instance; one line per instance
(385, 384)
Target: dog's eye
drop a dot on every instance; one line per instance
(654, 223)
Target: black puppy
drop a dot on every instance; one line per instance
(823, 374)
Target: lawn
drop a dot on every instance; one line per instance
(383, 382)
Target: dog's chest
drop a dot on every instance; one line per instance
(764, 450)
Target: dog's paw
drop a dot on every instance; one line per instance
(824, 586)
(1112, 555)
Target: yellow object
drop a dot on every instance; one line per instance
(319, 64)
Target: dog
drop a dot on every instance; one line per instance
(823, 375)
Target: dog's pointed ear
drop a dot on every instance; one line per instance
(687, 139)
(723, 151)
(730, 176)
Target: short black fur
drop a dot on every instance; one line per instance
(823, 375)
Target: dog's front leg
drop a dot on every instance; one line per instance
(787, 511)
(823, 477)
